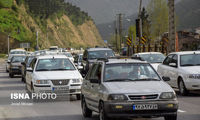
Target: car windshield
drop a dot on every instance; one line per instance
(17, 52)
(153, 58)
(18, 59)
(129, 72)
(190, 60)
(100, 54)
(54, 64)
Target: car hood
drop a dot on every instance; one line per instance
(58, 75)
(191, 70)
(137, 87)
(16, 64)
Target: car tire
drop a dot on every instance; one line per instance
(173, 117)
(85, 110)
(102, 113)
(78, 97)
(182, 89)
(11, 75)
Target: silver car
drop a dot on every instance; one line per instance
(127, 88)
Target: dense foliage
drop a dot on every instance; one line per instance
(56, 8)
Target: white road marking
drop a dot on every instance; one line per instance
(181, 111)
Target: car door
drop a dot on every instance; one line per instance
(29, 74)
(86, 86)
(95, 87)
(173, 71)
(163, 69)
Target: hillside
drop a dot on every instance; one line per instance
(58, 23)
(188, 12)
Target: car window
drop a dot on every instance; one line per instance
(168, 59)
(93, 72)
(97, 72)
(18, 59)
(90, 72)
(153, 58)
(175, 59)
(32, 65)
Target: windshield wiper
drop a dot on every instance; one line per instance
(61, 69)
(44, 70)
(121, 79)
(188, 65)
(147, 79)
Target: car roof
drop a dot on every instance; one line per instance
(98, 49)
(17, 50)
(143, 53)
(185, 52)
(114, 61)
(50, 56)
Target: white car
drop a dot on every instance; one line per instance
(53, 74)
(183, 68)
(154, 58)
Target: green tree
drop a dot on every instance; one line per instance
(158, 15)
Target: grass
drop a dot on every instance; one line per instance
(6, 3)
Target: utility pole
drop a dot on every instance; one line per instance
(8, 43)
(140, 26)
(37, 40)
(120, 31)
(116, 32)
(172, 29)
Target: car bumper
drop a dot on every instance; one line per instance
(193, 84)
(59, 90)
(125, 110)
(16, 71)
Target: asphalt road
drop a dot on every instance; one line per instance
(189, 106)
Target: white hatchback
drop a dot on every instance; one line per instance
(53, 74)
(183, 68)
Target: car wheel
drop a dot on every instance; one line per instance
(182, 88)
(102, 114)
(11, 75)
(85, 110)
(78, 97)
(173, 117)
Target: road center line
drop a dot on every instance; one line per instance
(181, 111)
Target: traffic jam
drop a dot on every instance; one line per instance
(144, 85)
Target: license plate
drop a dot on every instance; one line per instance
(60, 88)
(145, 107)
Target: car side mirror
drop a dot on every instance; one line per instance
(94, 80)
(173, 64)
(29, 69)
(166, 78)
(8, 62)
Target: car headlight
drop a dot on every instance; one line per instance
(42, 81)
(76, 80)
(194, 76)
(167, 95)
(117, 97)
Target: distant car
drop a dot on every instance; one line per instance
(53, 74)
(78, 61)
(155, 58)
(127, 88)
(12, 53)
(92, 54)
(15, 65)
(25, 65)
(69, 55)
(183, 68)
